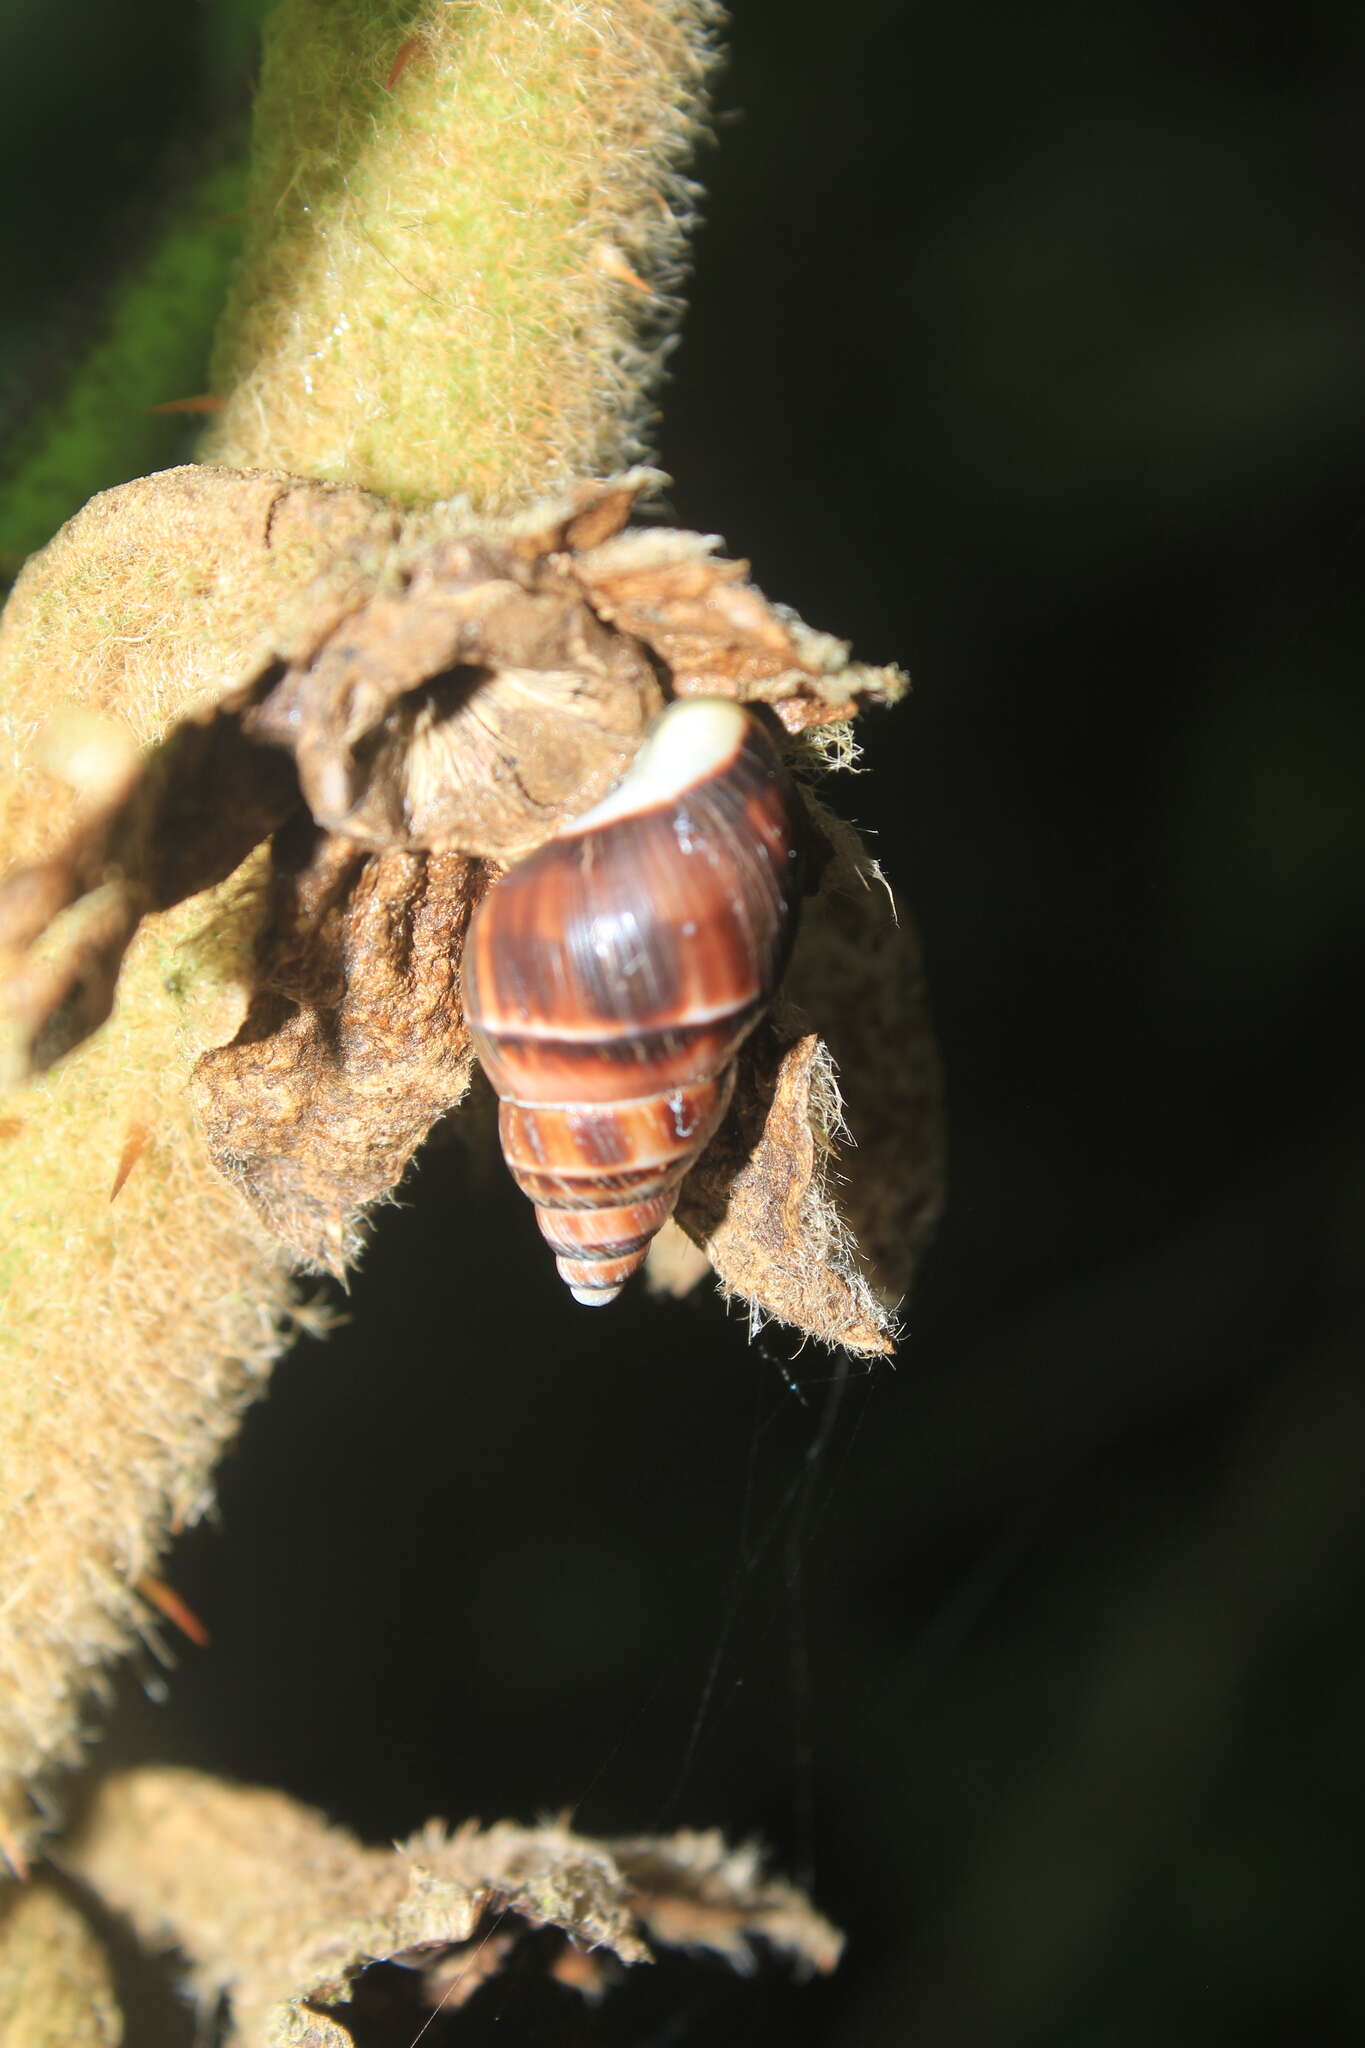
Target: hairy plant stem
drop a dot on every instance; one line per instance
(466, 228)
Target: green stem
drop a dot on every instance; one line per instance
(448, 205)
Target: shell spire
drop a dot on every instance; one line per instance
(613, 975)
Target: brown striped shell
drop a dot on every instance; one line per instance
(612, 976)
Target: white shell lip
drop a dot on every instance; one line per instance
(691, 740)
(594, 1297)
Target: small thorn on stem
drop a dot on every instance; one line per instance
(205, 401)
(134, 1144)
(406, 52)
(163, 1597)
(613, 264)
(13, 1854)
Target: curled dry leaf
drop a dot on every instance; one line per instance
(858, 972)
(56, 1986)
(473, 703)
(285, 1915)
(497, 678)
(354, 1043)
(690, 1891)
(820, 1192)
(758, 1201)
(716, 634)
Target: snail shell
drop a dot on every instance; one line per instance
(612, 976)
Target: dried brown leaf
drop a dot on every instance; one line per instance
(820, 1192)
(686, 1889)
(494, 679)
(475, 707)
(757, 1201)
(354, 1042)
(716, 634)
(451, 1982)
(858, 975)
(283, 1913)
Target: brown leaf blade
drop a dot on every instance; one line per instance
(758, 1203)
(354, 1042)
(858, 973)
(475, 706)
(717, 634)
(284, 1914)
(816, 1199)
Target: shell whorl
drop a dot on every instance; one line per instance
(611, 977)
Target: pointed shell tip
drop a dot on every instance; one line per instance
(594, 1297)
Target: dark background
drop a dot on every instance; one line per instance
(1024, 349)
